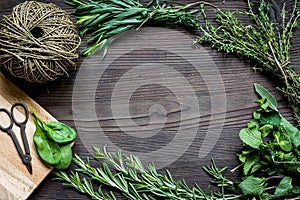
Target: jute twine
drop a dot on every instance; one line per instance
(38, 42)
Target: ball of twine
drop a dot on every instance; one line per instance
(38, 42)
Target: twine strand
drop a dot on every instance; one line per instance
(38, 42)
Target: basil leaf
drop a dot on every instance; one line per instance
(251, 137)
(252, 186)
(47, 149)
(59, 132)
(66, 157)
(264, 93)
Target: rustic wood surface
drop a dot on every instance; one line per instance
(237, 76)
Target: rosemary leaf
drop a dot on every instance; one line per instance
(107, 19)
(128, 176)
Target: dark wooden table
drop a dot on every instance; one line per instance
(160, 87)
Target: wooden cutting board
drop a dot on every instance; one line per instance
(15, 181)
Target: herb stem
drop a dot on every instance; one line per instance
(230, 198)
(295, 198)
(236, 168)
(270, 188)
(280, 67)
(274, 177)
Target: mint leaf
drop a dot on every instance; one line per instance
(251, 137)
(272, 118)
(264, 93)
(252, 186)
(296, 189)
(290, 132)
(284, 187)
(285, 145)
(243, 156)
(249, 163)
(266, 130)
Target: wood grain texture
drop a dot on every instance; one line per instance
(150, 99)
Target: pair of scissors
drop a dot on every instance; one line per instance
(26, 158)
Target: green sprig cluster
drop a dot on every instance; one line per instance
(266, 42)
(105, 19)
(270, 161)
(271, 151)
(131, 178)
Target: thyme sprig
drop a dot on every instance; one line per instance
(266, 42)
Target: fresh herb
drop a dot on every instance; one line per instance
(266, 41)
(107, 19)
(131, 178)
(270, 161)
(47, 149)
(271, 156)
(52, 141)
(56, 131)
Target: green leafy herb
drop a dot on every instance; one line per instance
(66, 157)
(284, 187)
(105, 20)
(266, 41)
(57, 131)
(253, 186)
(270, 160)
(266, 95)
(48, 150)
(135, 181)
(60, 132)
(251, 137)
(52, 141)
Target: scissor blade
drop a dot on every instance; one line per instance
(29, 167)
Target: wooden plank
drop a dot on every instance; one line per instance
(16, 182)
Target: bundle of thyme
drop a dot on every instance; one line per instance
(267, 42)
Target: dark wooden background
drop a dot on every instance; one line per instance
(238, 77)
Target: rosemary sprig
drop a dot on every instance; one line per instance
(270, 166)
(128, 176)
(106, 19)
(266, 42)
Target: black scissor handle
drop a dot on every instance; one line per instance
(19, 104)
(10, 118)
